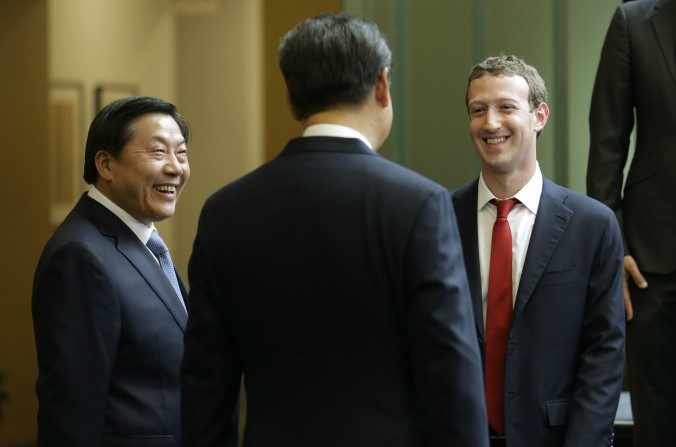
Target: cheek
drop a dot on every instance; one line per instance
(186, 172)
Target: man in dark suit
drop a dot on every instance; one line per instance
(331, 278)
(545, 278)
(108, 315)
(637, 75)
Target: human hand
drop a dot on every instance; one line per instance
(630, 269)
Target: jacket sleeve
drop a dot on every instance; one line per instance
(442, 337)
(611, 117)
(76, 318)
(598, 381)
(211, 371)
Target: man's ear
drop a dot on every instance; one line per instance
(289, 104)
(541, 115)
(102, 161)
(383, 88)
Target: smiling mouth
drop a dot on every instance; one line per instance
(166, 189)
(495, 140)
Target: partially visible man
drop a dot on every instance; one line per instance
(637, 75)
(331, 278)
(108, 314)
(545, 278)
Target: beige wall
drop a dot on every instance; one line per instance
(219, 72)
(23, 126)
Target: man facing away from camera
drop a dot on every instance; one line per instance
(331, 278)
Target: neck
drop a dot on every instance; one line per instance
(354, 118)
(506, 184)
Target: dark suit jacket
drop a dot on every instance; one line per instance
(332, 279)
(638, 71)
(565, 346)
(109, 335)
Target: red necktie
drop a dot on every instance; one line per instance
(498, 315)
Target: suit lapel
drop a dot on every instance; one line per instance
(550, 224)
(465, 203)
(663, 23)
(140, 258)
(151, 271)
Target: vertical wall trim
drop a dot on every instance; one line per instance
(398, 133)
(389, 15)
(560, 65)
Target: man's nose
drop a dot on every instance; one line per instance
(173, 165)
(493, 119)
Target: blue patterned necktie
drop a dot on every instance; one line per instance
(160, 250)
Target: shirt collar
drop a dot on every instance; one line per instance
(141, 230)
(334, 130)
(529, 195)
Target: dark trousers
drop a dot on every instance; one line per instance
(651, 361)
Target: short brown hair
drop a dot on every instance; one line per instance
(511, 65)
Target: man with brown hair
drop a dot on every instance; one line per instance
(544, 266)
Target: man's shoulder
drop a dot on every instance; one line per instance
(638, 9)
(464, 192)
(77, 228)
(395, 173)
(578, 202)
(78, 231)
(380, 174)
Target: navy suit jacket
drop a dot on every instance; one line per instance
(332, 279)
(109, 335)
(565, 348)
(637, 73)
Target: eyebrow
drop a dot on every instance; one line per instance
(164, 141)
(502, 99)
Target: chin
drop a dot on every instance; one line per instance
(164, 215)
(497, 166)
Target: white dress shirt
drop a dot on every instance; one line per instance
(335, 130)
(141, 230)
(521, 221)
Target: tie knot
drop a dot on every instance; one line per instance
(156, 244)
(504, 206)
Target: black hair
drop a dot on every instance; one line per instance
(112, 127)
(332, 60)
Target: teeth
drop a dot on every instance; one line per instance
(496, 140)
(165, 188)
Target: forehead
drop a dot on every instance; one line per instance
(490, 88)
(155, 125)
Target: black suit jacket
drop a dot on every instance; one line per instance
(109, 335)
(565, 347)
(637, 72)
(332, 279)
